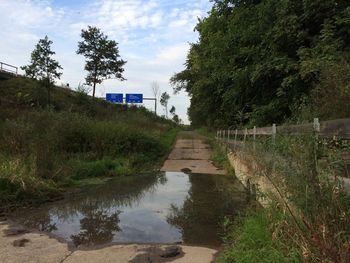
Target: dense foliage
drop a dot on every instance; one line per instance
(263, 61)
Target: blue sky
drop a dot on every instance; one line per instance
(153, 36)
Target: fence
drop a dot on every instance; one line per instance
(8, 68)
(327, 129)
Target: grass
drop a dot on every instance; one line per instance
(46, 148)
(253, 240)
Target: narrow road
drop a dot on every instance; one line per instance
(191, 153)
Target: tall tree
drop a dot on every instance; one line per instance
(175, 118)
(102, 57)
(155, 91)
(42, 66)
(164, 99)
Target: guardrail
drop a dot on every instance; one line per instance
(326, 129)
(8, 68)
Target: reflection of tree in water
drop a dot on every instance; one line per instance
(97, 226)
(94, 203)
(200, 217)
(40, 221)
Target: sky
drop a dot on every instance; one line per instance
(154, 37)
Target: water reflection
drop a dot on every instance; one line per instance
(209, 200)
(158, 208)
(97, 226)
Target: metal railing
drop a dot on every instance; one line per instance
(8, 68)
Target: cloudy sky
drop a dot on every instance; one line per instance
(153, 36)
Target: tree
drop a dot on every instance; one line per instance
(172, 110)
(175, 118)
(155, 90)
(102, 57)
(164, 99)
(42, 66)
(255, 61)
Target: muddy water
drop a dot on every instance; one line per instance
(163, 208)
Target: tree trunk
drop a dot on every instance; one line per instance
(93, 90)
(48, 93)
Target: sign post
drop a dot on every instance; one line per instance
(129, 98)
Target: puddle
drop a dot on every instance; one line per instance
(165, 208)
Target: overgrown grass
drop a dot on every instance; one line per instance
(305, 175)
(44, 150)
(257, 239)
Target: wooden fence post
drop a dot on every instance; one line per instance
(236, 133)
(254, 137)
(245, 134)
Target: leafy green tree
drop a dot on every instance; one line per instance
(256, 61)
(175, 117)
(172, 110)
(42, 66)
(164, 100)
(102, 57)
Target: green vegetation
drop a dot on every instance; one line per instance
(308, 217)
(264, 61)
(44, 150)
(253, 240)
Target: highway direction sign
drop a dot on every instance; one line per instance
(134, 98)
(114, 97)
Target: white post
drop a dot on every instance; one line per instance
(236, 133)
(254, 137)
(274, 131)
(317, 126)
(228, 136)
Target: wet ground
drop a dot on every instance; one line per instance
(167, 208)
(133, 219)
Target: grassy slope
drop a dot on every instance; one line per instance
(75, 141)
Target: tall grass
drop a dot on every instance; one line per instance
(43, 150)
(306, 176)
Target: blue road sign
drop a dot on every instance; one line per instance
(114, 97)
(134, 98)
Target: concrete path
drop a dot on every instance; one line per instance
(191, 153)
(19, 246)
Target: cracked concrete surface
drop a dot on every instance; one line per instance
(44, 249)
(193, 153)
